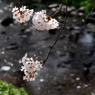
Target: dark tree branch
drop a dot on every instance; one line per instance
(59, 9)
(89, 12)
(58, 34)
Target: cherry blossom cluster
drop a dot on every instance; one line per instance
(22, 14)
(30, 67)
(40, 19)
(43, 22)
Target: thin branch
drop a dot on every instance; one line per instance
(58, 34)
(89, 12)
(59, 9)
(18, 3)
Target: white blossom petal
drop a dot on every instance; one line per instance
(22, 15)
(30, 67)
(42, 21)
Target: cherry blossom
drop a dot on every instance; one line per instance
(30, 67)
(42, 21)
(22, 14)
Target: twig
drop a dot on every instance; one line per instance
(19, 4)
(58, 34)
(59, 9)
(89, 12)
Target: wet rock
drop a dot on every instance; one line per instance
(60, 65)
(41, 80)
(59, 88)
(60, 18)
(5, 68)
(77, 78)
(52, 31)
(3, 32)
(68, 61)
(12, 46)
(53, 9)
(77, 28)
(82, 9)
(71, 8)
(25, 33)
(80, 14)
(78, 87)
(88, 65)
(92, 14)
(7, 21)
(62, 54)
(72, 54)
(73, 13)
(8, 37)
(87, 43)
(86, 68)
(93, 72)
(62, 37)
(89, 32)
(74, 37)
(89, 51)
(61, 21)
(90, 20)
(70, 28)
(53, 5)
(86, 71)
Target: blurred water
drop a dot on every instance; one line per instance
(63, 72)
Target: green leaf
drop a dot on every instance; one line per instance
(9, 89)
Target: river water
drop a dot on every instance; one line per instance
(70, 69)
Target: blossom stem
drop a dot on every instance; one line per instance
(89, 12)
(19, 4)
(58, 34)
(59, 9)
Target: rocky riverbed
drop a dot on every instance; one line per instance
(70, 69)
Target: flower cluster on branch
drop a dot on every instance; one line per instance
(43, 22)
(40, 19)
(30, 67)
(22, 14)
